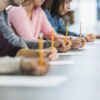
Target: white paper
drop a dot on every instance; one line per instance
(89, 47)
(92, 43)
(25, 81)
(61, 62)
(70, 54)
(96, 42)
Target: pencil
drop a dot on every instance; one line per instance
(80, 31)
(66, 35)
(41, 53)
(52, 40)
(88, 33)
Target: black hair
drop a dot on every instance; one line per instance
(47, 5)
(55, 7)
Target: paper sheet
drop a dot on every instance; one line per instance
(89, 47)
(93, 43)
(25, 81)
(70, 54)
(96, 42)
(61, 62)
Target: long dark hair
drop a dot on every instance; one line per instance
(47, 4)
(53, 7)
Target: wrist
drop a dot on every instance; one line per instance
(21, 63)
(86, 38)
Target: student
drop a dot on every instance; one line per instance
(27, 66)
(9, 42)
(29, 20)
(55, 11)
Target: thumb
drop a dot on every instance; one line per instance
(62, 43)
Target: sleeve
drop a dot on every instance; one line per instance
(61, 27)
(46, 27)
(21, 24)
(49, 17)
(62, 30)
(9, 65)
(74, 34)
(32, 45)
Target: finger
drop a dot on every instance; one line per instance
(79, 39)
(41, 70)
(78, 43)
(61, 49)
(62, 44)
(54, 57)
(67, 49)
(69, 43)
(77, 47)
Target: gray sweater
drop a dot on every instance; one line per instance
(9, 42)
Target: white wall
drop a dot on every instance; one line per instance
(85, 12)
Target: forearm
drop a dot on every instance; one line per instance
(35, 45)
(74, 34)
(9, 65)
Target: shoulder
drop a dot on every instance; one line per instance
(16, 10)
(60, 19)
(40, 10)
(17, 13)
(47, 12)
(3, 14)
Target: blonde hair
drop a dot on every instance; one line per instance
(27, 2)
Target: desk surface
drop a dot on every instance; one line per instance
(83, 80)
